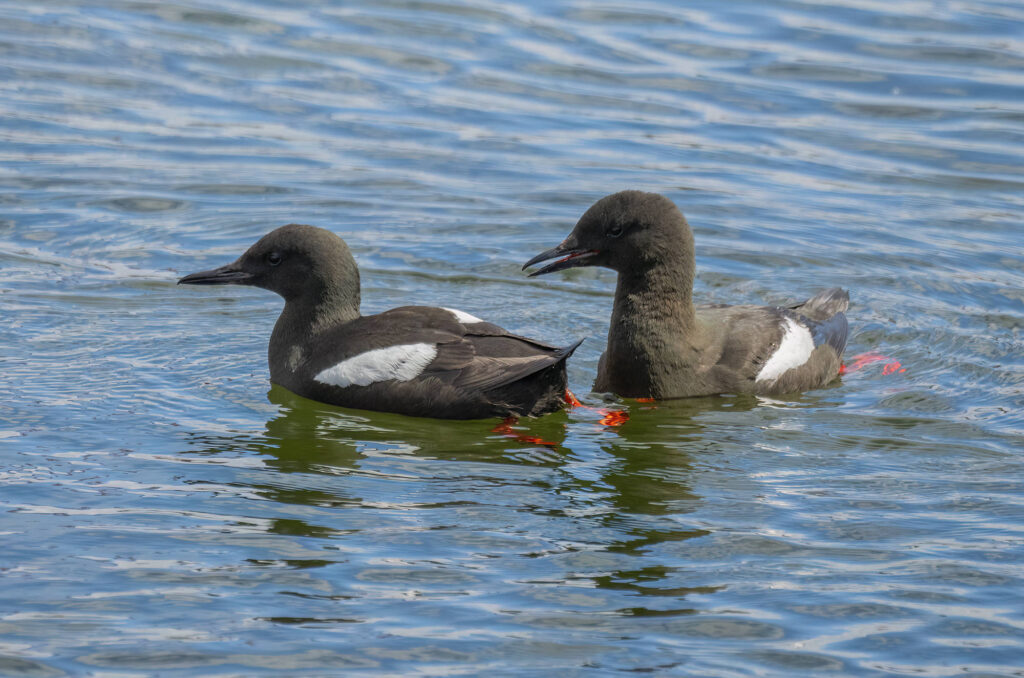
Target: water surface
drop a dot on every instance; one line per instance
(164, 512)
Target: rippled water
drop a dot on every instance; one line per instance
(162, 514)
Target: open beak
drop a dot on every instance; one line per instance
(571, 258)
(230, 274)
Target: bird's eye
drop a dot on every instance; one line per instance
(615, 230)
(274, 258)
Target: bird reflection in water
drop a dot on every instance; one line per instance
(590, 488)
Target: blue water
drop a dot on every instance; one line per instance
(164, 512)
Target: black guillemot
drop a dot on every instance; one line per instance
(414, 360)
(661, 345)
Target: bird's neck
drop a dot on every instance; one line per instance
(303, 319)
(654, 336)
(656, 297)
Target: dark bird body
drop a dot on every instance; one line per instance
(660, 344)
(415, 360)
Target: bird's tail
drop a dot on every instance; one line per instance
(563, 353)
(825, 304)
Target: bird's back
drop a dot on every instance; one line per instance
(435, 362)
(774, 349)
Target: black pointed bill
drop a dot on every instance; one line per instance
(225, 275)
(571, 258)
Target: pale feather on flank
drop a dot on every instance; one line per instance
(794, 350)
(462, 316)
(399, 363)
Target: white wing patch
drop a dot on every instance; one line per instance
(794, 350)
(399, 363)
(462, 316)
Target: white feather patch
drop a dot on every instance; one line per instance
(462, 316)
(794, 350)
(399, 363)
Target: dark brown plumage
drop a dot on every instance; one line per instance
(660, 344)
(414, 360)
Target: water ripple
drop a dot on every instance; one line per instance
(870, 528)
